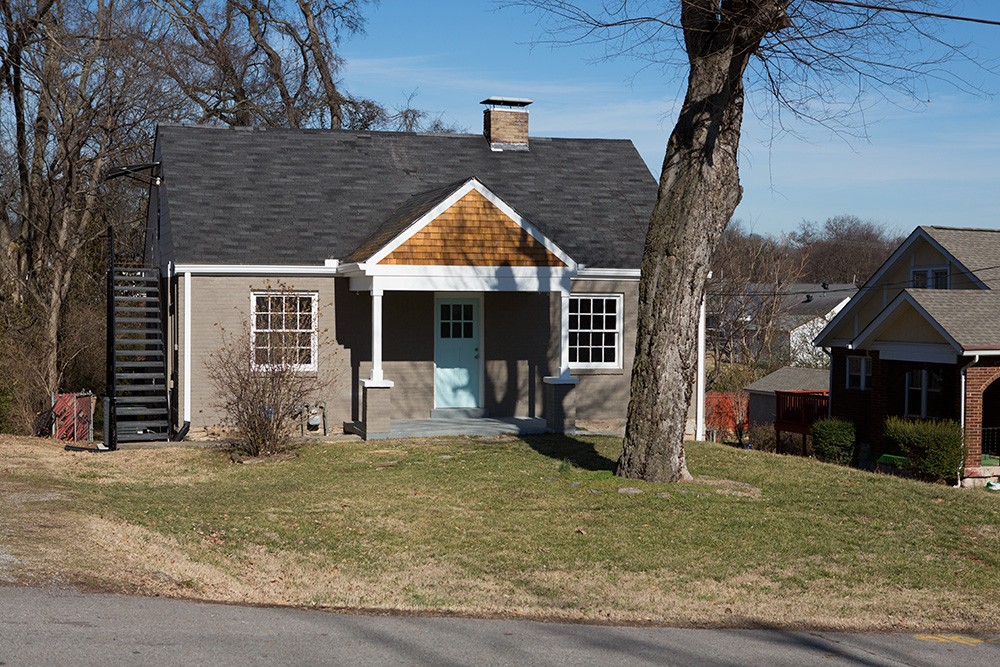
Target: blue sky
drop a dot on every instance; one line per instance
(937, 165)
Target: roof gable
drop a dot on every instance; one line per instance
(471, 227)
(886, 284)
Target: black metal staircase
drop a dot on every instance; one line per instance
(137, 364)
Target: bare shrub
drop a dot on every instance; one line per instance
(262, 379)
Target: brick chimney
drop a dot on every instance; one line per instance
(505, 123)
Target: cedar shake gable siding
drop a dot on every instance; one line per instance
(473, 232)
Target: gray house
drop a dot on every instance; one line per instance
(449, 274)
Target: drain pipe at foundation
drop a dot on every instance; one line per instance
(961, 405)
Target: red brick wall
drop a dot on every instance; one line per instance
(977, 379)
(861, 406)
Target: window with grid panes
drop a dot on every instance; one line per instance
(595, 327)
(283, 330)
(456, 320)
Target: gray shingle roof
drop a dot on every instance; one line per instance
(797, 303)
(790, 378)
(977, 249)
(255, 196)
(969, 316)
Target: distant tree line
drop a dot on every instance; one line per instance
(753, 277)
(82, 85)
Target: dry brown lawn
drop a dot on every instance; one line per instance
(499, 528)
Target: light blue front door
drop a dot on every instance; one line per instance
(456, 353)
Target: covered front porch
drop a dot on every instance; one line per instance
(470, 312)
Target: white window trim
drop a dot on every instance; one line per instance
(929, 271)
(619, 320)
(866, 372)
(314, 338)
(925, 376)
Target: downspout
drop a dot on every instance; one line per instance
(961, 419)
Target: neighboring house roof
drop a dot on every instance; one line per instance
(966, 319)
(972, 253)
(811, 300)
(977, 249)
(278, 196)
(790, 378)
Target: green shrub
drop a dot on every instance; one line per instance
(833, 440)
(935, 448)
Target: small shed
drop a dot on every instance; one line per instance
(763, 404)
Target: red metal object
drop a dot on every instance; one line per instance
(73, 417)
(723, 408)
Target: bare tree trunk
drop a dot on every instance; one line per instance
(699, 190)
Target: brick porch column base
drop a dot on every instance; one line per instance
(375, 406)
(560, 403)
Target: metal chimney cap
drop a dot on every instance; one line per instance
(507, 101)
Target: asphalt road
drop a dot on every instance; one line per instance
(49, 626)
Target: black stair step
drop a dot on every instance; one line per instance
(150, 292)
(138, 353)
(145, 276)
(141, 376)
(139, 410)
(134, 343)
(136, 299)
(138, 364)
(137, 320)
(122, 310)
(160, 398)
(134, 427)
(142, 437)
(142, 392)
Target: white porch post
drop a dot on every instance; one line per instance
(700, 385)
(564, 334)
(187, 346)
(377, 375)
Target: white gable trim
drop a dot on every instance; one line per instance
(451, 200)
(871, 283)
(256, 269)
(405, 278)
(890, 313)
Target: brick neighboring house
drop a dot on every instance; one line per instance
(465, 275)
(921, 339)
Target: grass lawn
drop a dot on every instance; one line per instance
(535, 528)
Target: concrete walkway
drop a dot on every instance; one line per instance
(483, 426)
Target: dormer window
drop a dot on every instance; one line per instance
(933, 278)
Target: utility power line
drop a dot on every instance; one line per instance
(912, 12)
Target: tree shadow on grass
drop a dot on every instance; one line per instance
(578, 452)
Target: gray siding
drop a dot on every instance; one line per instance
(222, 304)
(604, 394)
(521, 346)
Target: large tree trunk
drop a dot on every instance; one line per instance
(699, 190)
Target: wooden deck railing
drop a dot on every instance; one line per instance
(796, 411)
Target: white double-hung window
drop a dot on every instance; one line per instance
(595, 331)
(859, 372)
(283, 330)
